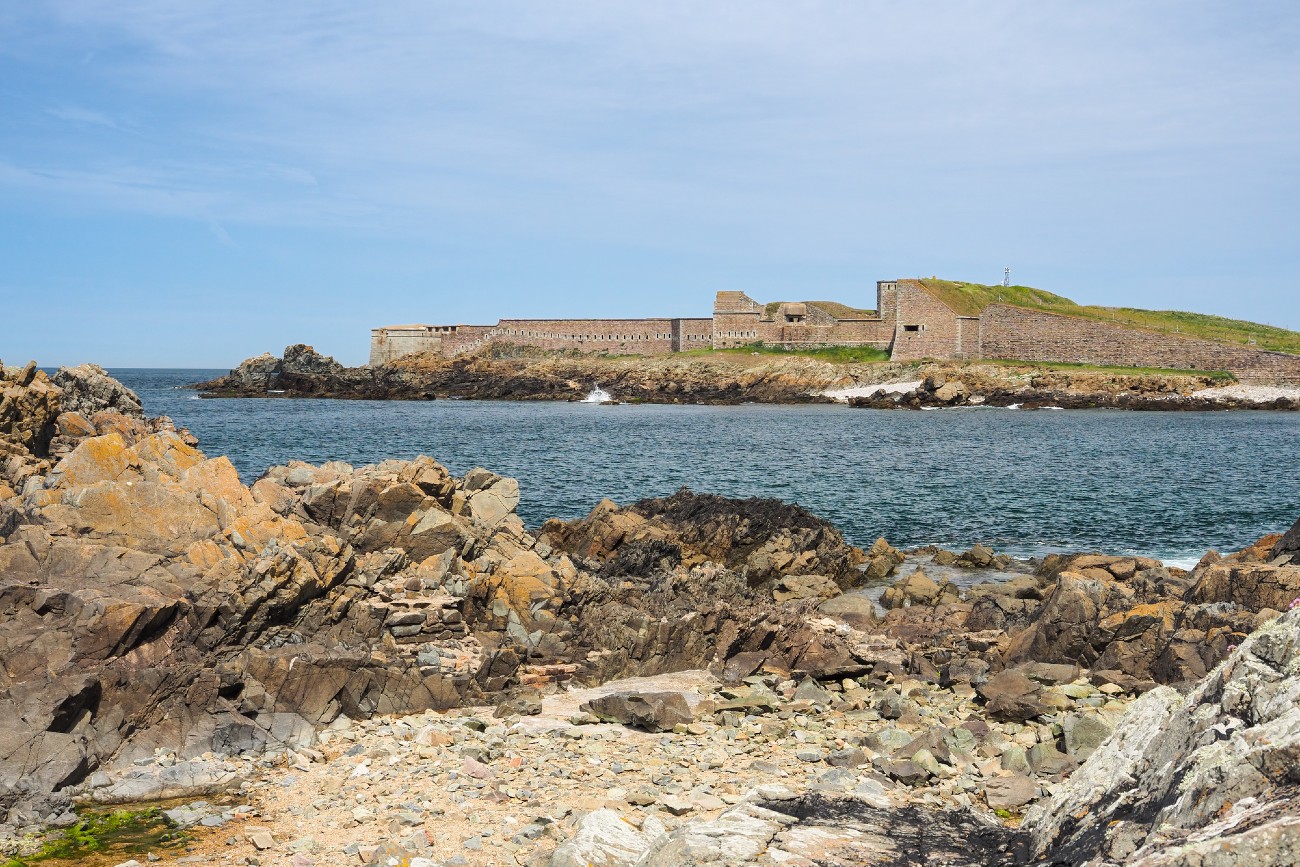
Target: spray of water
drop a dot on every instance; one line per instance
(598, 395)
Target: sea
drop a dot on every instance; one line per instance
(1170, 485)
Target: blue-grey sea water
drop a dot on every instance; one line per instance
(1169, 485)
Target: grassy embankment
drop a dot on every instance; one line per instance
(968, 299)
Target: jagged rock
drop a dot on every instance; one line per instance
(804, 587)
(652, 711)
(764, 540)
(979, 556)
(1218, 764)
(883, 560)
(916, 589)
(87, 389)
(1011, 696)
(1287, 548)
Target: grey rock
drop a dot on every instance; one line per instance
(652, 711)
(1009, 792)
(606, 839)
(1212, 764)
(1084, 733)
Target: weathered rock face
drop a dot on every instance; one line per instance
(1287, 548)
(41, 418)
(88, 389)
(1212, 777)
(29, 403)
(764, 540)
(1130, 620)
(303, 372)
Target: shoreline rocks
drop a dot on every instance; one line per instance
(989, 387)
(507, 372)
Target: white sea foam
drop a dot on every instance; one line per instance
(843, 394)
(598, 395)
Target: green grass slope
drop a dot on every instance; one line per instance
(968, 299)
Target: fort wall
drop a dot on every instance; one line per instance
(924, 326)
(911, 322)
(1015, 333)
(395, 341)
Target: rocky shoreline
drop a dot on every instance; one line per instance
(503, 372)
(382, 665)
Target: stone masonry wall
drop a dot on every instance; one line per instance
(1015, 333)
(634, 336)
(696, 333)
(393, 342)
(742, 328)
(937, 326)
(466, 338)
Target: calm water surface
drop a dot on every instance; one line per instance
(1169, 485)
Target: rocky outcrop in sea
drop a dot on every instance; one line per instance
(986, 384)
(507, 372)
(396, 634)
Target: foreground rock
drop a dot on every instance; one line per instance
(1212, 777)
(156, 602)
(1205, 778)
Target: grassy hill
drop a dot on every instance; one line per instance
(968, 299)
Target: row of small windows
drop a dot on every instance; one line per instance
(546, 335)
(742, 334)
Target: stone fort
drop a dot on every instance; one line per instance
(911, 322)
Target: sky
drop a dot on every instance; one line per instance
(186, 183)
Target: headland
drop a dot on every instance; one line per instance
(927, 343)
(913, 320)
(503, 371)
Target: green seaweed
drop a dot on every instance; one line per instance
(129, 831)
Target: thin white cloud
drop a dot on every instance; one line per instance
(82, 116)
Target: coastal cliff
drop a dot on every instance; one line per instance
(507, 372)
(394, 634)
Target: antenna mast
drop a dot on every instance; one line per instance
(1006, 276)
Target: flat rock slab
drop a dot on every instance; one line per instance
(652, 711)
(854, 832)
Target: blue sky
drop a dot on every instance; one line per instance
(189, 183)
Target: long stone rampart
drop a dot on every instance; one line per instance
(1016, 333)
(911, 322)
